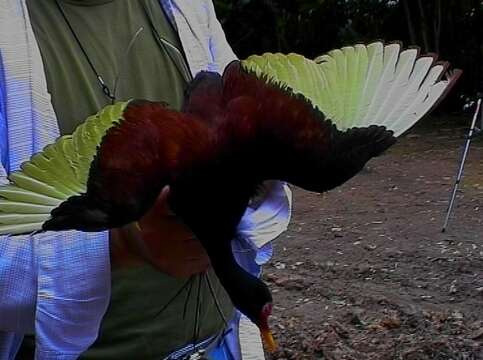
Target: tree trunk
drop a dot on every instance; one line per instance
(424, 26)
(412, 31)
(437, 22)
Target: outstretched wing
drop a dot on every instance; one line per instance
(135, 160)
(282, 136)
(361, 85)
(58, 172)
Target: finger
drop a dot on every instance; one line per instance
(163, 195)
(162, 200)
(159, 210)
(135, 241)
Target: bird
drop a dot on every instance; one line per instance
(312, 123)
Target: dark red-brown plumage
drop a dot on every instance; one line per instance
(233, 133)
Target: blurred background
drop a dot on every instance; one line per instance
(364, 272)
(451, 28)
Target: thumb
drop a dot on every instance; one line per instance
(161, 206)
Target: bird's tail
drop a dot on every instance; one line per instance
(347, 154)
(363, 142)
(352, 149)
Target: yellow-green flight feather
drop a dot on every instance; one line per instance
(59, 171)
(362, 85)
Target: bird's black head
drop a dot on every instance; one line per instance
(254, 300)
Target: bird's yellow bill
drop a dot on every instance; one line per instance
(268, 340)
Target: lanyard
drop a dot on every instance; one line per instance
(175, 54)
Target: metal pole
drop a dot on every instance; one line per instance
(462, 164)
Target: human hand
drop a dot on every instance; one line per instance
(161, 239)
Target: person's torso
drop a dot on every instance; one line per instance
(105, 29)
(131, 328)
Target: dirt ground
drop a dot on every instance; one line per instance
(365, 272)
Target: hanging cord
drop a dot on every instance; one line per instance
(185, 309)
(196, 327)
(125, 57)
(166, 45)
(215, 299)
(174, 297)
(220, 311)
(105, 89)
(169, 48)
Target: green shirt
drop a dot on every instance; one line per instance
(130, 329)
(105, 29)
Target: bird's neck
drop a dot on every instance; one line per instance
(239, 284)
